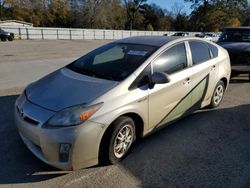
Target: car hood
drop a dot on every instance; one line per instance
(65, 88)
(235, 46)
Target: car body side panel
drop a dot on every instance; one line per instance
(209, 68)
(123, 101)
(185, 106)
(164, 97)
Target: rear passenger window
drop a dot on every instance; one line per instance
(214, 50)
(200, 52)
(172, 60)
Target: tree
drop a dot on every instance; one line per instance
(154, 16)
(177, 9)
(211, 15)
(132, 7)
(181, 22)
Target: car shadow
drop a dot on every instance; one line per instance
(209, 148)
(243, 78)
(205, 148)
(17, 163)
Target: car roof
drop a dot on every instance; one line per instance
(148, 40)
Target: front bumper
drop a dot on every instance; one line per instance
(45, 142)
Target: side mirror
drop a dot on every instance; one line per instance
(160, 78)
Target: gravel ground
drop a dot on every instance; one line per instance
(210, 148)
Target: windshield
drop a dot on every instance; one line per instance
(235, 35)
(114, 61)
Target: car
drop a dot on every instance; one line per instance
(92, 110)
(208, 36)
(236, 40)
(181, 34)
(4, 35)
(214, 37)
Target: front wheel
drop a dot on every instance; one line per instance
(218, 94)
(122, 138)
(3, 39)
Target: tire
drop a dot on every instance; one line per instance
(217, 94)
(3, 39)
(117, 143)
(10, 38)
(249, 77)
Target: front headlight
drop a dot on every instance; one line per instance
(72, 116)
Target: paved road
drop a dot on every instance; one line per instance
(210, 148)
(22, 62)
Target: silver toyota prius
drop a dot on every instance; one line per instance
(92, 110)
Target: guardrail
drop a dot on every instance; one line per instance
(45, 33)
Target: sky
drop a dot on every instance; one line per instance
(168, 4)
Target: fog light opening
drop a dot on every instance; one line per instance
(64, 152)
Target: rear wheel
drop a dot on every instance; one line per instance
(249, 77)
(218, 94)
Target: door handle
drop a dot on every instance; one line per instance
(187, 81)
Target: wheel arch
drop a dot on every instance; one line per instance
(139, 128)
(225, 81)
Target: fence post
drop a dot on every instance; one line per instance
(19, 33)
(70, 35)
(27, 33)
(57, 34)
(113, 35)
(103, 34)
(83, 37)
(42, 34)
(94, 34)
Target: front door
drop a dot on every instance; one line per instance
(171, 100)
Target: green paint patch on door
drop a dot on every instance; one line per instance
(196, 95)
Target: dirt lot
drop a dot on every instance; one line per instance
(210, 148)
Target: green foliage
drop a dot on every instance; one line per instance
(207, 15)
(181, 22)
(149, 28)
(212, 15)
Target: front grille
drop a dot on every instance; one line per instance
(25, 117)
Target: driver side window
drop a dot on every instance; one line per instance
(172, 60)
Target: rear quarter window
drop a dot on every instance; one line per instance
(213, 49)
(200, 52)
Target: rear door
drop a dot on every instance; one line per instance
(204, 69)
(171, 100)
